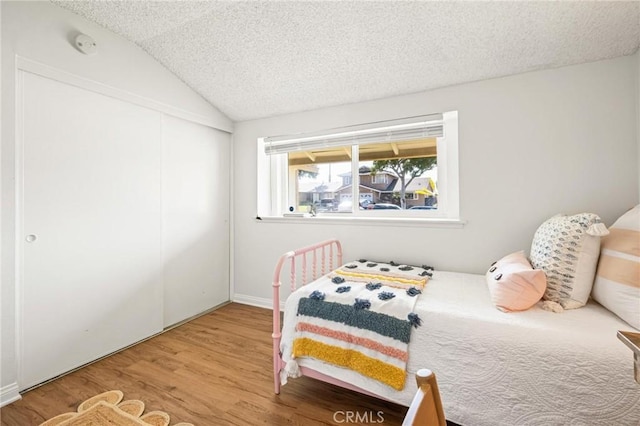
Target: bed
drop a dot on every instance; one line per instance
(494, 368)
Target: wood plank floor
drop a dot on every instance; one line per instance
(214, 370)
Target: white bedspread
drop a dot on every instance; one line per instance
(495, 368)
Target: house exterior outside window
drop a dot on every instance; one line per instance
(394, 167)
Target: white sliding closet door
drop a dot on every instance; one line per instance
(91, 226)
(195, 218)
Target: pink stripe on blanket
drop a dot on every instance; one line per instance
(350, 338)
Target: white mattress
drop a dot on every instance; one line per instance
(494, 368)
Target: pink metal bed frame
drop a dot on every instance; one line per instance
(318, 256)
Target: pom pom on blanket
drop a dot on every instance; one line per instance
(414, 319)
(372, 286)
(386, 295)
(413, 291)
(337, 280)
(317, 295)
(362, 304)
(343, 289)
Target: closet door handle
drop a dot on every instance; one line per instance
(31, 238)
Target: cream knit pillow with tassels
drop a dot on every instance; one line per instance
(566, 248)
(617, 285)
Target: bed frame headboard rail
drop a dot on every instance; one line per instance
(324, 258)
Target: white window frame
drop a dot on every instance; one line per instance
(273, 185)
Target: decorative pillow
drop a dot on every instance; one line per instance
(513, 284)
(566, 248)
(617, 285)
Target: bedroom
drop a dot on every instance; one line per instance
(545, 140)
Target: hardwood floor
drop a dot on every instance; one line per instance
(214, 370)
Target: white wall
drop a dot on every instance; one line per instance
(42, 32)
(637, 55)
(530, 146)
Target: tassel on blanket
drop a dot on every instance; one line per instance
(291, 369)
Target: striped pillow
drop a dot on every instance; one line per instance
(617, 284)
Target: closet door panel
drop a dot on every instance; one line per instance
(91, 226)
(195, 218)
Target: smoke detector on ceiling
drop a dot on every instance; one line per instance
(85, 44)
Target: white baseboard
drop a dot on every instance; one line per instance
(260, 302)
(9, 394)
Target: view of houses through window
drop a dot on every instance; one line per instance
(398, 175)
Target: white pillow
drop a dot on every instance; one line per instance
(566, 248)
(617, 285)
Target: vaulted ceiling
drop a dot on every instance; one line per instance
(257, 59)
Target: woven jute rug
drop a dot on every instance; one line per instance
(108, 409)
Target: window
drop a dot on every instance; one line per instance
(379, 178)
(398, 168)
(412, 196)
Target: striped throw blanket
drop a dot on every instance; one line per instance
(361, 318)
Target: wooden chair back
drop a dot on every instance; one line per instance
(426, 407)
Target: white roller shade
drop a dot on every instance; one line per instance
(425, 126)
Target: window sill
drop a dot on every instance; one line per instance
(367, 221)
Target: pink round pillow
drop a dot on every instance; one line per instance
(513, 284)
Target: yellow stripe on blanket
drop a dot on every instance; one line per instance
(390, 280)
(357, 361)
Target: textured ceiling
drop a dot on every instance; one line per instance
(258, 59)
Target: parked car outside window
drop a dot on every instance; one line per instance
(383, 206)
(326, 205)
(423, 208)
